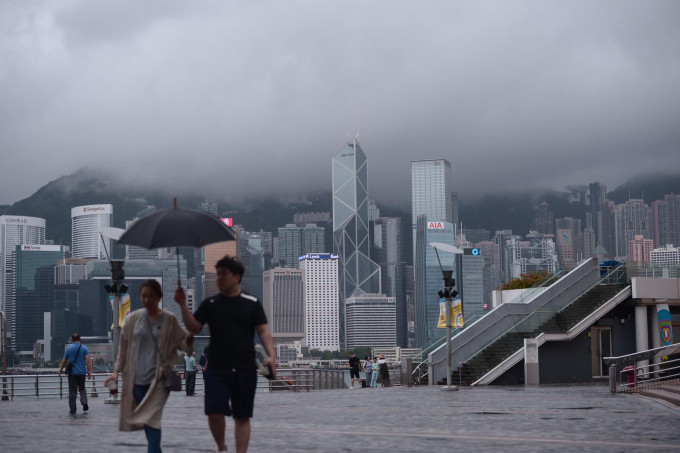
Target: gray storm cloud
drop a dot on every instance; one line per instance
(255, 98)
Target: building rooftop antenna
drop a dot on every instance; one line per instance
(352, 114)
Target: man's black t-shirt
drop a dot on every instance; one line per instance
(232, 322)
(354, 362)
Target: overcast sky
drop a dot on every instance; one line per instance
(257, 97)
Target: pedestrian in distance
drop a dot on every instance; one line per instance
(78, 357)
(190, 373)
(384, 372)
(374, 378)
(354, 369)
(147, 352)
(368, 367)
(231, 378)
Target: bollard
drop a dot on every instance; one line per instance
(612, 378)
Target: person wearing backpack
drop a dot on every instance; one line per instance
(77, 362)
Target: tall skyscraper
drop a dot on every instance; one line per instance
(431, 193)
(284, 304)
(639, 249)
(86, 221)
(358, 273)
(295, 241)
(321, 295)
(666, 220)
(34, 279)
(543, 220)
(387, 247)
(15, 230)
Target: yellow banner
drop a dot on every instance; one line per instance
(123, 309)
(456, 313)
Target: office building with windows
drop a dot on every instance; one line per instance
(284, 304)
(321, 298)
(431, 193)
(15, 230)
(86, 222)
(34, 286)
(370, 320)
(387, 253)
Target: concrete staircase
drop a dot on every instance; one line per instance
(669, 392)
(512, 341)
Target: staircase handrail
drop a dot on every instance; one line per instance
(539, 311)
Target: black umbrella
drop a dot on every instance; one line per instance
(176, 227)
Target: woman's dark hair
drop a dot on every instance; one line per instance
(231, 263)
(154, 286)
(367, 358)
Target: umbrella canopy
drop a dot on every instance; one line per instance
(176, 227)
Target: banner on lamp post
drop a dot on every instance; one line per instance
(456, 313)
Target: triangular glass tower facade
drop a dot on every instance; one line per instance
(358, 274)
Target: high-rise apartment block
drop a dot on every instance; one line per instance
(543, 220)
(321, 295)
(639, 249)
(15, 230)
(284, 304)
(666, 220)
(295, 241)
(632, 218)
(86, 223)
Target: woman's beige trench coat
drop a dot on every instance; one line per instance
(150, 409)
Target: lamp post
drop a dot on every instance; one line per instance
(449, 293)
(116, 288)
(5, 396)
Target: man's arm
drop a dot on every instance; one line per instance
(62, 365)
(191, 323)
(88, 363)
(268, 344)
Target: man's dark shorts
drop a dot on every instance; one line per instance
(221, 386)
(354, 373)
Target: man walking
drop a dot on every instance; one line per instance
(79, 357)
(190, 373)
(231, 377)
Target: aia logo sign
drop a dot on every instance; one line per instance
(435, 226)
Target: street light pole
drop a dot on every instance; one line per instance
(448, 294)
(116, 288)
(5, 396)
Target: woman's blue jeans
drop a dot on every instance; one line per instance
(153, 435)
(374, 379)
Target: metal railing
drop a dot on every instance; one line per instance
(634, 374)
(46, 386)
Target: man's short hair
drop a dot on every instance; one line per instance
(231, 263)
(75, 337)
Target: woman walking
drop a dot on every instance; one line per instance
(368, 366)
(148, 349)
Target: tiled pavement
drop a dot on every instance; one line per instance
(397, 419)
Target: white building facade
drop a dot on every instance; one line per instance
(321, 296)
(15, 230)
(284, 305)
(86, 221)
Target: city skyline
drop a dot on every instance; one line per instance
(516, 96)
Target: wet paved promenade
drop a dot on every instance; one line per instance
(398, 419)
